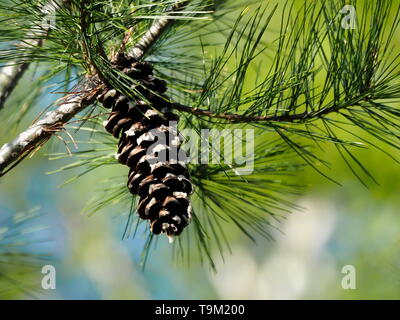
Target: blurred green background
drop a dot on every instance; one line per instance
(339, 225)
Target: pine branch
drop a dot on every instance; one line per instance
(237, 118)
(39, 133)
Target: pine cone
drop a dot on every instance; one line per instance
(150, 146)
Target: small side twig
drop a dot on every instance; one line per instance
(240, 118)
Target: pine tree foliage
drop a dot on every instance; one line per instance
(314, 83)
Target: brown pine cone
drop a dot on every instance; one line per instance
(149, 144)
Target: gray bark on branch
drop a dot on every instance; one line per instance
(13, 152)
